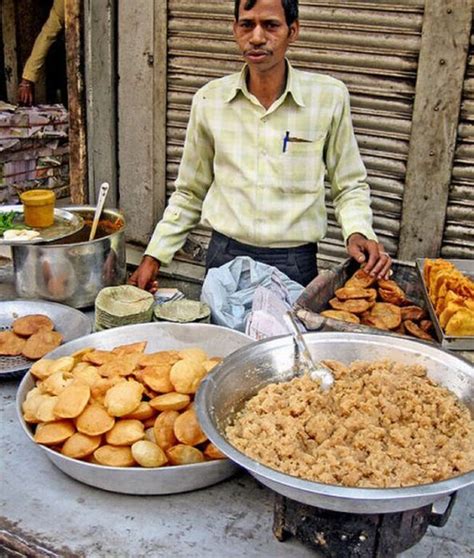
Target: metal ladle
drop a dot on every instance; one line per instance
(104, 190)
(304, 360)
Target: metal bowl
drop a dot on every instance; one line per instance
(242, 374)
(215, 340)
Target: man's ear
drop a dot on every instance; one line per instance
(294, 31)
(234, 28)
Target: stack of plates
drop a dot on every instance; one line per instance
(122, 305)
(183, 311)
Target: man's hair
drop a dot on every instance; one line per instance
(290, 7)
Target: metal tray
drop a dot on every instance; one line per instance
(65, 223)
(460, 343)
(215, 340)
(69, 322)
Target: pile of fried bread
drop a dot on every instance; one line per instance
(452, 295)
(379, 303)
(31, 336)
(121, 407)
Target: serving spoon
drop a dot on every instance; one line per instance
(104, 190)
(306, 364)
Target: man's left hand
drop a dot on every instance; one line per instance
(370, 254)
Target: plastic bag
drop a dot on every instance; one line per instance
(229, 289)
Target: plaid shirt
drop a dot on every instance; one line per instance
(257, 175)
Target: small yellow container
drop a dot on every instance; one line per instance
(38, 207)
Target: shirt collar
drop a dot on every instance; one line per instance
(293, 85)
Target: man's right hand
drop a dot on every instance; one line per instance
(144, 277)
(26, 92)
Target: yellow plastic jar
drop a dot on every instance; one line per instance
(38, 207)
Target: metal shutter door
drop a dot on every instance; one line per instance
(372, 46)
(458, 238)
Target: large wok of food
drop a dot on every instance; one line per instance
(395, 432)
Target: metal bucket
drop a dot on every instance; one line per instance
(72, 270)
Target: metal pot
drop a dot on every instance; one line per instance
(72, 270)
(243, 373)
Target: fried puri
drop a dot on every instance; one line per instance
(41, 343)
(11, 344)
(27, 325)
(341, 315)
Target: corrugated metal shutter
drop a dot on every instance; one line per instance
(372, 46)
(458, 238)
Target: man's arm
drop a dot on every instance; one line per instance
(350, 192)
(43, 42)
(184, 208)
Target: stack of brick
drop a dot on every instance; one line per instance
(34, 150)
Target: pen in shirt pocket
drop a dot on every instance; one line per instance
(288, 139)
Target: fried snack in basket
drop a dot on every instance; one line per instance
(452, 295)
(386, 313)
(412, 312)
(416, 331)
(377, 303)
(361, 279)
(341, 315)
(345, 293)
(354, 306)
(390, 292)
(27, 325)
(120, 407)
(11, 344)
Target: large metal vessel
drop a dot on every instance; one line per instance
(242, 374)
(72, 270)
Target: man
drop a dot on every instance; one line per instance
(257, 147)
(36, 60)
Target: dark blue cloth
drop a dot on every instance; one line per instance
(299, 263)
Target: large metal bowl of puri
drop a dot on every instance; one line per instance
(74, 269)
(244, 373)
(215, 340)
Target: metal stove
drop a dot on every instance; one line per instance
(352, 535)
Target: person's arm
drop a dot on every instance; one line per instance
(184, 208)
(36, 60)
(350, 192)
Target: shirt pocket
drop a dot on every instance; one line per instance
(302, 166)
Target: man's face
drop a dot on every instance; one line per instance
(263, 35)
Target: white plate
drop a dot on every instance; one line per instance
(71, 323)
